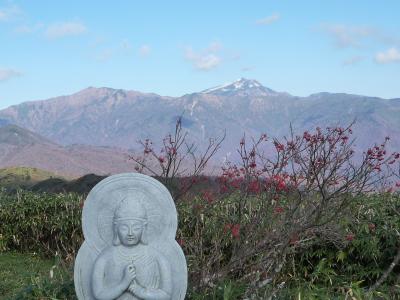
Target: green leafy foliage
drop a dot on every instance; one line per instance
(39, 222)
(322, 270)
(226, 290)
(364, 245)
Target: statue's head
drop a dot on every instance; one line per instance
(130, 221)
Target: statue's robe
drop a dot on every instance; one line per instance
(146, 266)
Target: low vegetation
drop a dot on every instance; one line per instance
(17, 270)
(30, 276)
(357, 252)
(23, 177)
(297, 218)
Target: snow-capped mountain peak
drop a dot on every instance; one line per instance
(238, 86)
(245, 83)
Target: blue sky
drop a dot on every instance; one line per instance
(53, 48)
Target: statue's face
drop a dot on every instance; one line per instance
(130, 232)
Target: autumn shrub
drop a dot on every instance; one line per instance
(178, 164)
(276, 198)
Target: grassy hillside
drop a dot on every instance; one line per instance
(81, 185)
(24, 177)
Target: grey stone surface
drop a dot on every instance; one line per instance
(129, 223)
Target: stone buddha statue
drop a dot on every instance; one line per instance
(130, 269)
(129, 222)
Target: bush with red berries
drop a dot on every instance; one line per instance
(276, 200)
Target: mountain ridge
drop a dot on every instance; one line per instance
(20, 147)
(120, 118)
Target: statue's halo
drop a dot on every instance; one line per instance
(103, 199)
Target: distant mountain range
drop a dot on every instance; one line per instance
(119, 118)
(21, 147)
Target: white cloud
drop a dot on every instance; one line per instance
(144, 50)
(346, 36)
(268, 20)
(26, 29)
(206, 59)
(350, 36)
(207, 62)
(246, 69)
(236, 56)
(105, 55)
(6, 74)
(389, 56)
(23, 29)
(63, 29)
(97, 42)
(352, 60)
(9, 13)
(214, 47)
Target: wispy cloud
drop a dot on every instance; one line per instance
(105, 55)
(389, 56)
(349, 36)
(268, 20)
(144, 50)
(97, 42)
(9, 13)
(126, 45)
(206, 59)
(6, 74)
(63, 29)
(353, 60)
(26, 29)
(247, 69)
(236, 56)
(364, 39)
(207, 62)
(214, 47)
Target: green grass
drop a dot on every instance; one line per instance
(14, 177)
(19, 270)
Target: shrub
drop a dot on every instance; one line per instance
(321, 266)
(370, 245)
(40, 222)
(278, 196)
